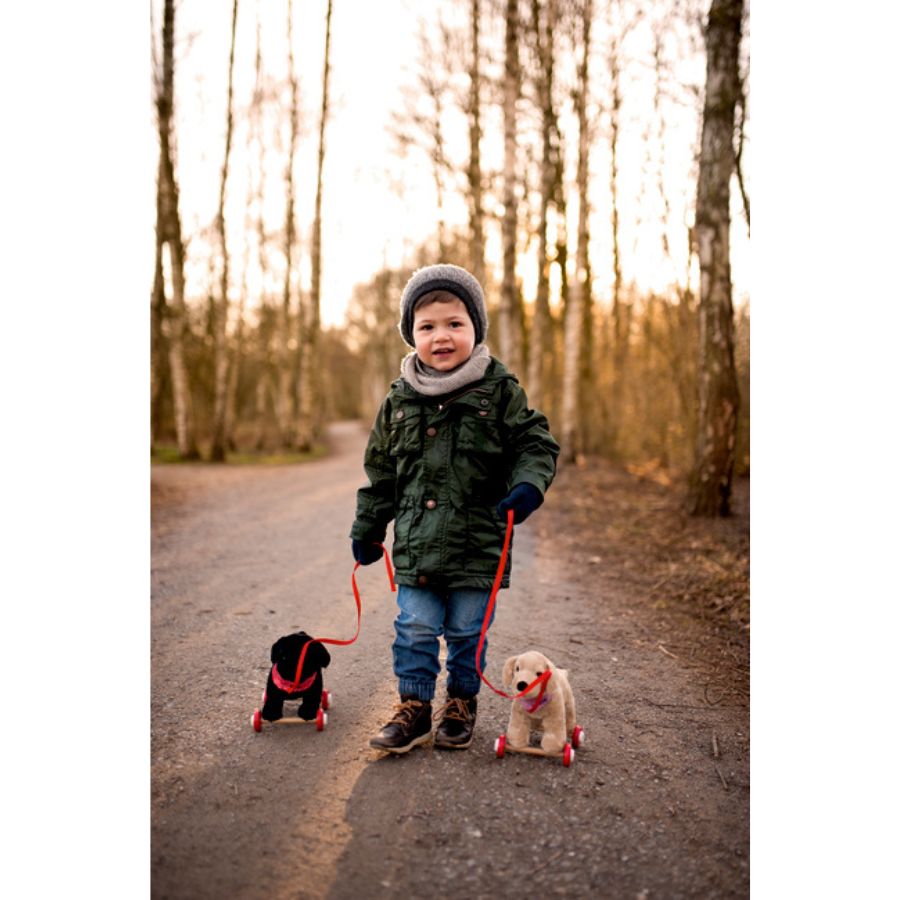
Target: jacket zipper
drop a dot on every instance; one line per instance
(480, 390)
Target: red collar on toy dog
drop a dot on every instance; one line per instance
(290, 687)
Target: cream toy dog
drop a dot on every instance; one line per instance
(553, 713)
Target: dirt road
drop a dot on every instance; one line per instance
(652, 807)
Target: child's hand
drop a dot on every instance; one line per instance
(365, 553)
(523, 500)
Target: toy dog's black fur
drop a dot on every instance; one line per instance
(285, 654)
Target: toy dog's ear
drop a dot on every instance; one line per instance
(280, 647)
(508, 670)
(318, 656)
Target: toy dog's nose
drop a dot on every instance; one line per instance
(521, 685)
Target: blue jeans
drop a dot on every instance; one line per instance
(424, 616)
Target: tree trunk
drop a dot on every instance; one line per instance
(510, 301)
(621, 311)
(710, 482)
(309, 427)
(169, 224)
(580, 290)
(476, 193)
(220, 327)
(541, 329)
(157, 339)
(285, 405)
(265, 318)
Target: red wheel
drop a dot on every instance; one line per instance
(321, 720)
(500, 746)
(326, 700)
(568, 755)
(577, 737)
(256, 720)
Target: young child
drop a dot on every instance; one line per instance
(454, 446)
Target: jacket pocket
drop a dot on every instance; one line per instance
(484, 538)
(406, 431)
(479, 432)
(402, 552)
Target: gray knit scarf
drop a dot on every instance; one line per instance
(432, 383)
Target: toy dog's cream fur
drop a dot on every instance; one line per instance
(556, 714)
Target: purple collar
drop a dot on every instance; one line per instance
(531, 707)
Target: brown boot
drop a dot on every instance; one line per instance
(457, 723)
(408, 727)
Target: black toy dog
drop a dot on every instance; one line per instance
(285, 656)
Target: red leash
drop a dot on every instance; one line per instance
(544, 677)
(356, 597)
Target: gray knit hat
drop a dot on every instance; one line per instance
(443, 277)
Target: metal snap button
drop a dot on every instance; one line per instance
(482, 412)
(431, 504)
(485, 402)
(400, 413)
(431, 432)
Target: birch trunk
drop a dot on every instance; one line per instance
(170, 224)
(709, 491)
(285, 404)
(157, 338)
(310, 424)
(580, 289)
(542, 323)
(476, 194)
(220, 326)
(510, 301)
(620, 310)
(257, 121)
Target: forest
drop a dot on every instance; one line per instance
(586, 160)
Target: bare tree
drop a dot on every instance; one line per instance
(621, 308)
(253, 219)
(169, 238)
(476, 193)
(310, 421)
(220, 309)
(285, 404)
(510, 299)
(158, 314)
(543, 27)
(580, 291)
(710, 482)
(422, 125)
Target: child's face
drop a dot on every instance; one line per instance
(444, 334)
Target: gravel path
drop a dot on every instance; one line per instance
(242, 555)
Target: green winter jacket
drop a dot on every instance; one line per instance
(440, 465)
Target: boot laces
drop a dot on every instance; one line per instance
(405, 712)
(455, 708)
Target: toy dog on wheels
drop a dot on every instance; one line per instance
(305, 657)
(307, 685)
(535, 704)
(545, 701)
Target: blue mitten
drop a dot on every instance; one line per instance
(366, 553)
(523, 500)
